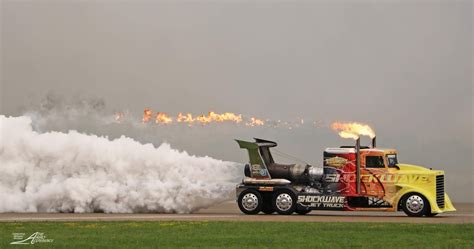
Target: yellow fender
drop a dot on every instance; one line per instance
(429, 195)
(448, 205)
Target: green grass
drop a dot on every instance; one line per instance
(174, 234)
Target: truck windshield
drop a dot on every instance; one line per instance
(392, 160)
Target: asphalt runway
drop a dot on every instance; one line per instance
(229, 211)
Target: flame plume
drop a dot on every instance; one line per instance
(163, 118)
(255, 122)
(212, 117)
(188, 118)
(353, 130)
(147, 115)
(185, 118)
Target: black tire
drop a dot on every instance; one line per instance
(415, 205)
(302, 211)
(286, 202)
(256, 198)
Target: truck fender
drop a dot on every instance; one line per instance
(405, 189)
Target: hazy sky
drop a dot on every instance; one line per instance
(405, 67)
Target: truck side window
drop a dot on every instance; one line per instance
(374, 162)
(392, 160)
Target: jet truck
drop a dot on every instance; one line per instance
(351, 178)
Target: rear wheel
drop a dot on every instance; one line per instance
(284, 202)
(250, 201)
(415, 205)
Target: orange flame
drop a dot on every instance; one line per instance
(344, 129)
(255, 122)
(163, 118)
(211, 117)
(147, 115)
(353, 130)
(185, 118)
(203, 119)
(119, 116)
(228, 116)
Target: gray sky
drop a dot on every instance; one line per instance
(405, 67)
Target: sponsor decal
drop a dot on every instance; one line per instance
(37, 237)
(337, 162)
(259, 171)
(265, 188)
(384, 178)
(322, 201)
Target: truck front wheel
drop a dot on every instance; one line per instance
(250, 201)
(284, 202)
(415, 205)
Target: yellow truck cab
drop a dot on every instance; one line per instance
(398, 186)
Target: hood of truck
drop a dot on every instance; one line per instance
(410, 168)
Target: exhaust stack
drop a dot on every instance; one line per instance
(357, 147)
(374, 142)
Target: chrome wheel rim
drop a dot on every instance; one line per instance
(284, 202)
(250, 202)
(415, 204)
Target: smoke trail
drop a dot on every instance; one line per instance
(57, 113)
(75, 172)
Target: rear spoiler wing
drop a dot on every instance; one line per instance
(257, 165)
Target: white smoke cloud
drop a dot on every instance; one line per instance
(75, 172)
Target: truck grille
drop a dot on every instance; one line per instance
(440, 191)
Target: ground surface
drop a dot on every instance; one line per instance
(229, 211)
(203, 234)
